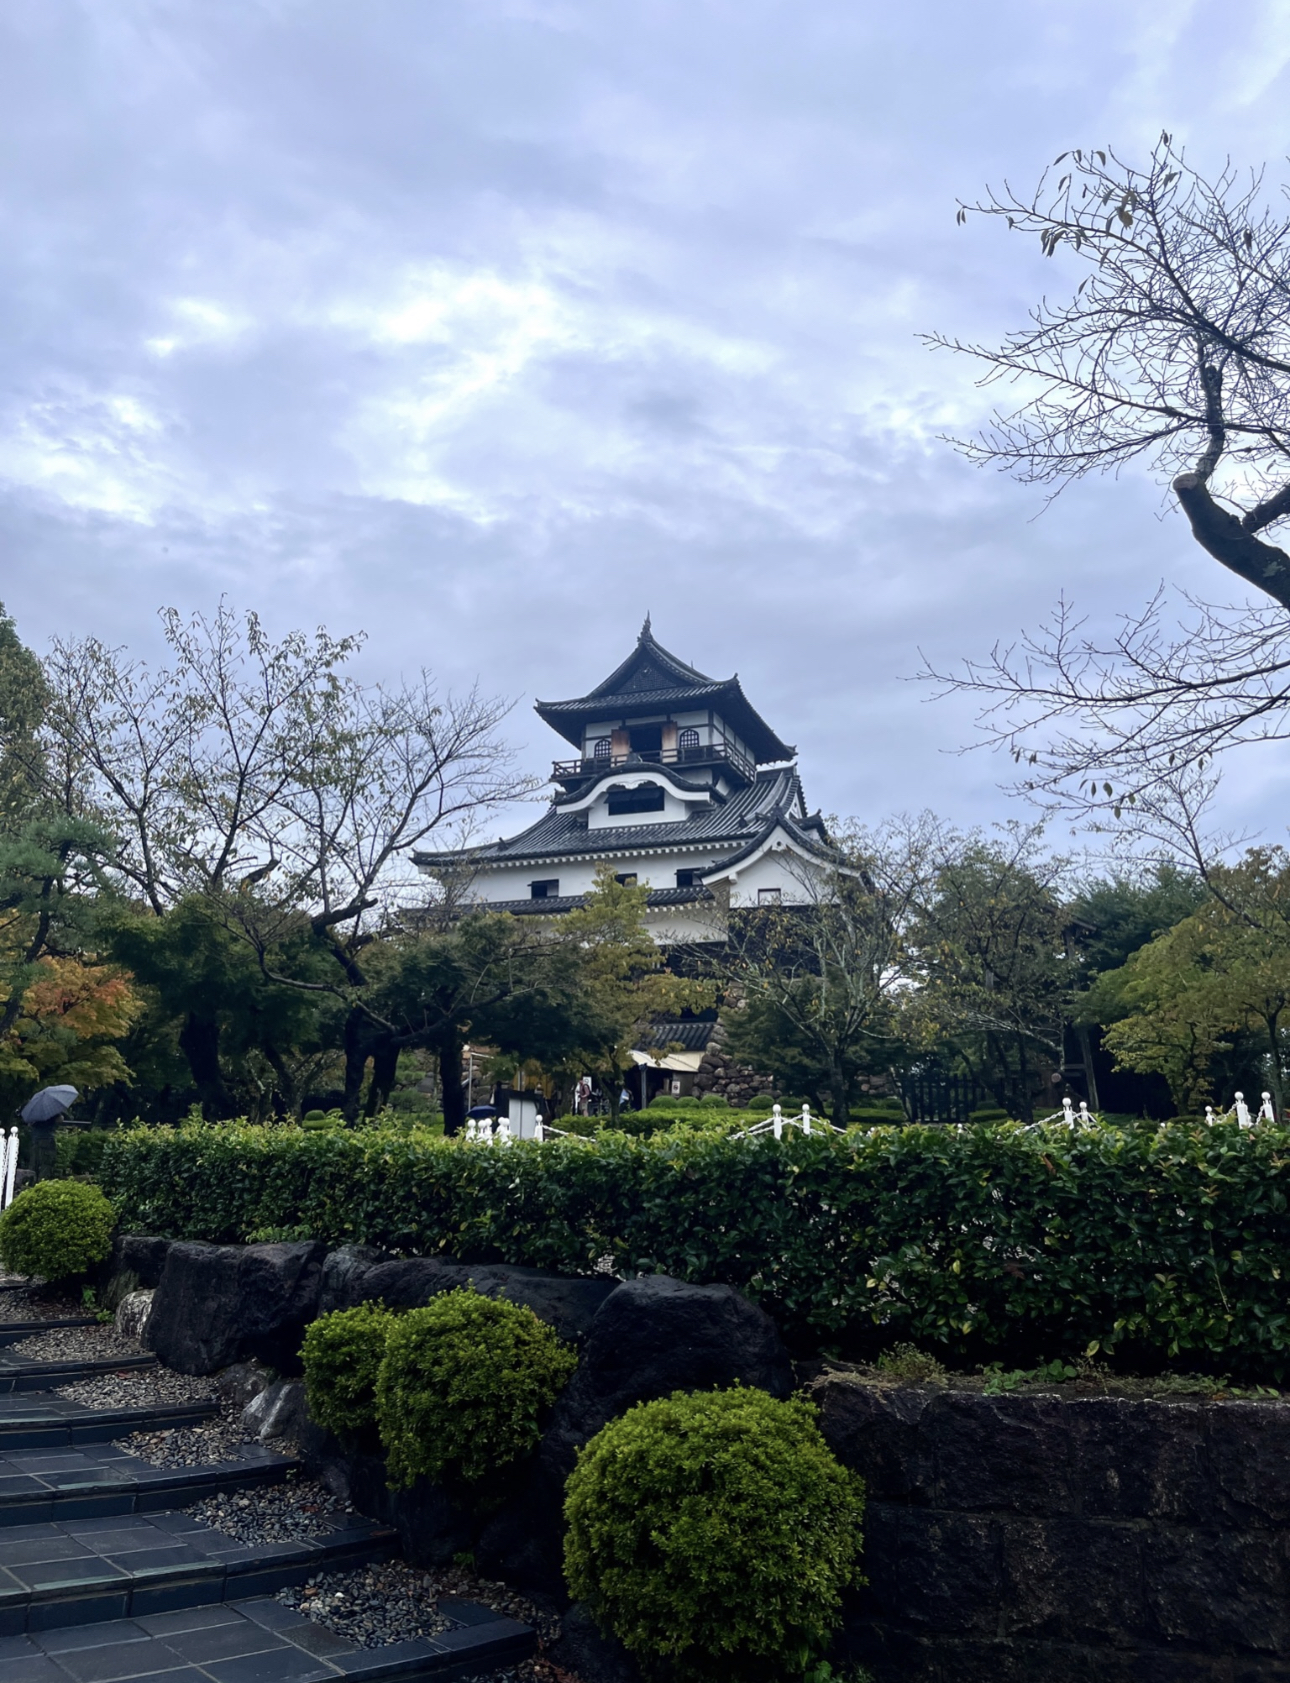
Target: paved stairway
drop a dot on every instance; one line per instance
(105, 1579)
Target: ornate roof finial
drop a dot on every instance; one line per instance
(645, 629)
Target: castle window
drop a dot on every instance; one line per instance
(626, 878)
(544, 890)
(601, 748)
(768, 896)
(688, 879)
(687, 738)
(647, 798)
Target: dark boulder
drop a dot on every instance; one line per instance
(219, 1304)
(588, 1653)
(651, 1337)
(568, 1303)
(144, 1258)
(432, 1526)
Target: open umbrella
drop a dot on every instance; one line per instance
(48, 1104)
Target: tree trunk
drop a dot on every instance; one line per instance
(839, 1089)
(356, 1050)
(199, 1042)
(454, 1097)
(1090, 1074)
(385, 1064)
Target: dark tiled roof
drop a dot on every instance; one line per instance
(651, 680)
(722, 830)
(694, 1037)
(554, 903)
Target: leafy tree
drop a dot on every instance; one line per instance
(490, 977)
(72, 1017)
(1224, 972)
(1173, 349)
(623, 978)
(988, 945)
(816, 995)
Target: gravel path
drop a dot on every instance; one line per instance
(37, 1303)
(76, 1344)
(222, 1439)
(395, 1602)
(372, 1606)
(144, 1388)
(280, 1513)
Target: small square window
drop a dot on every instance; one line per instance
(768, 896)
(688, 879)
(627, 878)
(544, 890)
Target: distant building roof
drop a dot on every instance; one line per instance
(651, 680)
(725, 831)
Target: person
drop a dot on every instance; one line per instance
(624, 1100)
(582, 1099)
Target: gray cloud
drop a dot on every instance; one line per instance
(488, 328)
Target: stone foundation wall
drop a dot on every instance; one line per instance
(1013, 1538)
(719, 1073)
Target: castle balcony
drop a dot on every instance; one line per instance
(716, 753)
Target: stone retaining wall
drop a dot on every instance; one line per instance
(1013, 1538)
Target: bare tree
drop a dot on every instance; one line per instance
(1173, 349)
(258, 777)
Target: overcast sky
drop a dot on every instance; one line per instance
(486, 327)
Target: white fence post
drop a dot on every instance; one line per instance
(1266, 1111)
(1242, 1111)
(9, 1160)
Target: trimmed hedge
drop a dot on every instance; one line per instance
(56, 1229)
(990, 1239)
(462, 1386)
(342, 1355)
(715, 1532)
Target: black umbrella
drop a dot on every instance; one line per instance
(48, 1104)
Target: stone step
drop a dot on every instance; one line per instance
(38, 1420)
(88, 1571)
(11, 1332)
(100, 1480)
(19, 1375)
(256, 1640)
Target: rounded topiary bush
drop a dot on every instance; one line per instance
(763, 1101)
(463, 1386)
(55, 1229)
(714, 1533)
(342, 1355)
(712, 1100)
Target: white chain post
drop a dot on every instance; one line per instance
(502, 1131)
(472, 1130)
(1209, 1114)
(1068, 1113)
(1266, 1110)
(10, 1164)
(539, 1132)
(777, 1122)
(1242, 1111)
(1086, 1120)
(806, 1118)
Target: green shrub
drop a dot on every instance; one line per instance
(342, 1354)
(714, 1532)
(763, 1102)
(55, 1229)
(714, 1101)
(908, 1365)
(79, 1151)
(1172, 1240)
(869, 1117)
(463, 1385)
(673, 1101)
(988, 1113)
